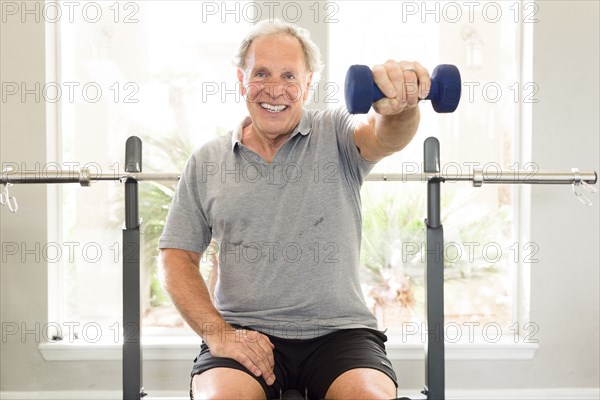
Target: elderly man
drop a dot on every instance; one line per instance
(280, 194)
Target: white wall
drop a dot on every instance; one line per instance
(564, 284)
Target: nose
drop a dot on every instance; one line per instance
(291, 92)
(259, 91)
(275, 88)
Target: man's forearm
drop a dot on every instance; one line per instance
(182, 279)
(394, 132)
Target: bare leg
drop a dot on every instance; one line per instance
(362, 383)
(226, 383)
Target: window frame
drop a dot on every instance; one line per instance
(177, 344)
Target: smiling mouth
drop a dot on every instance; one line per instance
(273, 108)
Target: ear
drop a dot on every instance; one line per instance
(240, 76)
(306, 93)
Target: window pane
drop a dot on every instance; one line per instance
(477, 221)
(156, 70)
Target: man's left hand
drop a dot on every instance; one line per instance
(403, 84)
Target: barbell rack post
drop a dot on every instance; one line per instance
(132, 325)
(434, 277)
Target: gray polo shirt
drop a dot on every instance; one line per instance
(288, 232)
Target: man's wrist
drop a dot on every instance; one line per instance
(394, 132)
(216, 331)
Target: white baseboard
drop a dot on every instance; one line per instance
(489, 394)
(61, 394)
(89, 395)
(515, 394)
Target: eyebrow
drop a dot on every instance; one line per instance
(264, 68)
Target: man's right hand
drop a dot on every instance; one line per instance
(250, 348)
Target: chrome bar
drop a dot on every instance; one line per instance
(497, 177)
(84, 177)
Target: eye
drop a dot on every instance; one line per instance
(289, 76)
(260, 74)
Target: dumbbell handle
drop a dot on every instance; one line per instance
(361, 90)
(378, 94)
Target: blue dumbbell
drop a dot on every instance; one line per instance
(362, 92)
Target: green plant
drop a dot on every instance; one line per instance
(393, 250)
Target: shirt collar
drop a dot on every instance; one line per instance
(303, 128)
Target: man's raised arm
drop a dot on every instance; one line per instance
(396, 118)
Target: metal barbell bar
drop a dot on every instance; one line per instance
(84, 177)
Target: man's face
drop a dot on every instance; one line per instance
(275, 84)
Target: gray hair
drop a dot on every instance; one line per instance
(312, 54)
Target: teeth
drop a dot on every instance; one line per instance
(273, 108)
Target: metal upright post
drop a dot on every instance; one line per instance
(132, 351)
(434, 277)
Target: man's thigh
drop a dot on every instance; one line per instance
(217, 377)
(345, 355)
(226, 383)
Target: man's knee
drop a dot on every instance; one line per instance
(363, 383)
(226, 383)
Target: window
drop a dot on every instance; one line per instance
(159, 70)
(480, 250)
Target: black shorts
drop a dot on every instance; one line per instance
(312, 364)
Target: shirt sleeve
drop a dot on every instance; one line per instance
(353, 162)
(187, 227)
